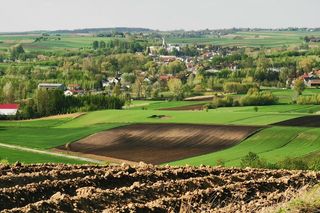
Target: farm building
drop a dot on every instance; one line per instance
(9, 109)
(50, 86)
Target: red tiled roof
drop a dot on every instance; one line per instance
(9, 106)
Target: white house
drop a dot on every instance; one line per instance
(9, 109)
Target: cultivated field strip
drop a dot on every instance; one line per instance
(145, 188)
(161, 143)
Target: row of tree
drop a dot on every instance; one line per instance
(53, 102)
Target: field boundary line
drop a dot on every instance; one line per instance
(48, 153)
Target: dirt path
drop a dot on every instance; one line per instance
(49, 153)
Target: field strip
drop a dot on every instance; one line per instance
(48, 153)
(135, 105)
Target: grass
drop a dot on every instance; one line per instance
(65, 42)
(48, 137)
(307, 201)
(197, 117)
(273, 144)
(12, 156)
(249, 39)
(154, 105)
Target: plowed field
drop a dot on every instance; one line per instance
(160, 143)
(146, 188)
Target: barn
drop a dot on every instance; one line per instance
(9, 109)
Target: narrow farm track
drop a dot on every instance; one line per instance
(146, 188)
(89, 160)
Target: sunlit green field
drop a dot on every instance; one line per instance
(12, 156)
(250, 39)
(273, 144)
(65, 42)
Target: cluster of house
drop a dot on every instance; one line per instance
(311, 79)
(71, 89)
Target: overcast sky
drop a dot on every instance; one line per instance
(24, 15)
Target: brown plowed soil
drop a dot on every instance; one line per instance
(305, 121)
(185, 108)
(160, 143)
(146, 188)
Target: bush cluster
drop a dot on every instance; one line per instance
(239, 88)
(253, 160)
(314, 99)
(255, 97)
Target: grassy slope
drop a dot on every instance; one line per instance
(200, 117)
(273, 144)
(12, 155)
(249, 39)
(47, 137)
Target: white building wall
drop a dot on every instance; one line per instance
(8, 111)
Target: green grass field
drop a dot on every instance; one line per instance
(12, 156)
(65, 42)
(273, 144)
(250, 39)
(197, 117)
(244, 39)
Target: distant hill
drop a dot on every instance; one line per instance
(85, 30)
(105, 30)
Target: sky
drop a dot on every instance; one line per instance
(27, 15)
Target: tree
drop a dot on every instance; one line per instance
(95, 45)
(155, 90)
(8, 93)
(16, 51)
(116, 90)
(137, 87)
(175, 87)
(306, 64)
(102, 45)
(299, 86)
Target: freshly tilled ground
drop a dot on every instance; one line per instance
(146, 188)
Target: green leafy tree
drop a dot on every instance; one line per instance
(176, 89)
(95, 45)
(299, 86)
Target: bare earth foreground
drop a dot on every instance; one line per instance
(160, 143)
(146, 188)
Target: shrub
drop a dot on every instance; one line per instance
(290, 163)
(236, 87)
(222, 102)
(314, 99)
(254, 161)
(220, 162)
(4, 161)
(258, 98)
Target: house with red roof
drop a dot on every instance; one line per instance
(9, 109)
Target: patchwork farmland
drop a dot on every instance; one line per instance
(160, 143)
